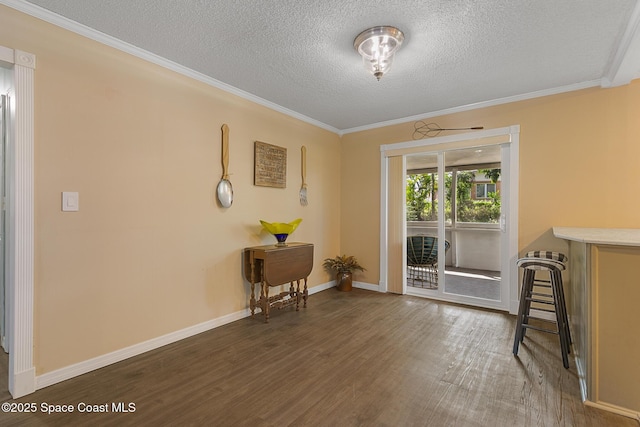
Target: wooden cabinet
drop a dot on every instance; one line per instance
(270, 266)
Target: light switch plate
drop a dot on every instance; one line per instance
(70, 201)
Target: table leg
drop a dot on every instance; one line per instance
(305, 293)
(252, 301)
(297, 294)
(265, 305)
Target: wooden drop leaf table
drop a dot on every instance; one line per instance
(274, 265)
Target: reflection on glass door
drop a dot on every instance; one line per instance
(473, 184)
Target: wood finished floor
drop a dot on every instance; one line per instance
(350, 359)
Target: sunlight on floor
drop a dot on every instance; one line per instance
(486, 276)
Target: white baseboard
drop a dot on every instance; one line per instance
(367, 286)
(23, 383)
(359, 285)
(615, 409)
(98, 362)
(323, 287)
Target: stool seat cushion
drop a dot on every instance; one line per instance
(548, 255)
(541, 264)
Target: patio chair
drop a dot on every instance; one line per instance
(422, 260)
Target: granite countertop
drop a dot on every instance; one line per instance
(600, 236)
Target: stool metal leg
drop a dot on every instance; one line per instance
(556, 282)
(523, 309)
(529, 280)
(563, 307)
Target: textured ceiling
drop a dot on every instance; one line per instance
(299, 55)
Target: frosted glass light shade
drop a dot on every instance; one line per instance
(377, 46)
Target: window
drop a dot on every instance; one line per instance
(483, 190)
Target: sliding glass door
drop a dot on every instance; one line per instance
(448, 225)
(453, 215)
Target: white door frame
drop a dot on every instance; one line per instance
(20, 221)
(4, 129)
(510, 135)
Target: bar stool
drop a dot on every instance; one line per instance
(533, 291)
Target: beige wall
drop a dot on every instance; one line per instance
(150, 252)
(579, 164)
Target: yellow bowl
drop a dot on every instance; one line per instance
(281, 230)
(281, 227)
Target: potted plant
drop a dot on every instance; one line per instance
(344, 266)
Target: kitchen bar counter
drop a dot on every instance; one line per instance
(600, 236)
(604, 306)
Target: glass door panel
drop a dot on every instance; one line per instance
(422, 200)
(473, 236)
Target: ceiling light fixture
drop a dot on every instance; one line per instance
(377, 46)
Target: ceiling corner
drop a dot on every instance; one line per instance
(625, 64)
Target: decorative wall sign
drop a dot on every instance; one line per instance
(270, 165)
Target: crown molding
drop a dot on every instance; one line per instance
(477, 105)
(90, 33)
